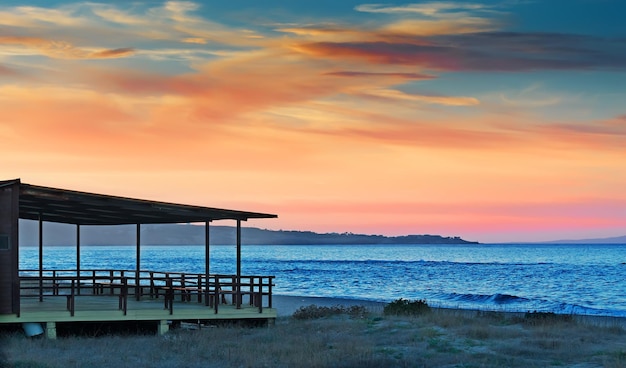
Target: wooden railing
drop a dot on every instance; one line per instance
(212, 290)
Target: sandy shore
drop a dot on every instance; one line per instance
(287, 305)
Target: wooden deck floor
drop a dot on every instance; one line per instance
(89, 308)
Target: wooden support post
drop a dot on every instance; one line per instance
(78, 257)
(40, 258)
(163, 327)
(51, 330)
(237, 294)
(207, 264)
(138, 266)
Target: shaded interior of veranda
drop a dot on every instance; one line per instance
(51, 296)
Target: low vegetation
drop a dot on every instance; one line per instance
(313, 311)
(404, 307)
(546, 318)
(398, 336)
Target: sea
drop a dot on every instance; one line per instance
(587, 279)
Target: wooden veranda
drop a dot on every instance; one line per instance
(79, 295)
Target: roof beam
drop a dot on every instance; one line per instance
(83, 208)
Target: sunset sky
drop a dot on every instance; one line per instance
(490, 120)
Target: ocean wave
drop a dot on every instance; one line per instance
(515, 303)
(489, 299)
(564, 308)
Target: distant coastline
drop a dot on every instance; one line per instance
(185, 234)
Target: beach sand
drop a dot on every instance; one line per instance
(287, 305)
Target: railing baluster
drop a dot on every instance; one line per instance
(71, 299)
(270, 282)
(216, 299)
(259, 288)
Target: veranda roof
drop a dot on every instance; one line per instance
(82, 208)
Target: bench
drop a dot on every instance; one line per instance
(99, 286)
(187, 291)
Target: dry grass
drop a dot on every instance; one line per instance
(441, 338)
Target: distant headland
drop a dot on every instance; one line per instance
(183, 234)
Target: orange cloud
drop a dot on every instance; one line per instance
(435, 18)
(432, 9)
(439, 27)
(197, 40)
(441, 100)
(61, 49)
(328, 32)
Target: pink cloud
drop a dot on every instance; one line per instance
(6, 71)
(479, 51)
(399, 75)
(387, 53)
(113, 53)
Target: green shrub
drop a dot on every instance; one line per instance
(405, 307)
(313, 311)
(357, 311)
